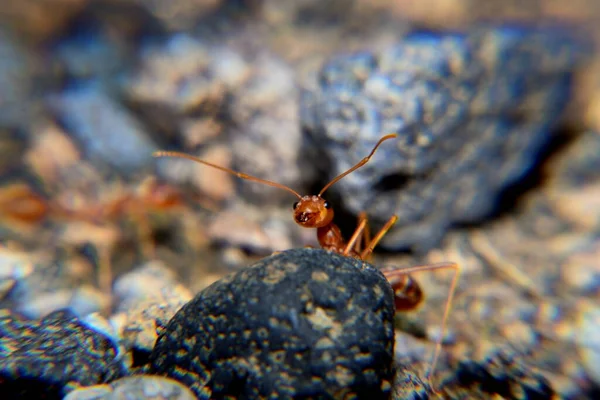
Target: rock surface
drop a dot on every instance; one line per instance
(48, 358)
(303, 323)
(473, 111)
(501, 374)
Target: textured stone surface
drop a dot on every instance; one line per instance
(501, 374)
(47, 358)
(302, 322)
(472, 111)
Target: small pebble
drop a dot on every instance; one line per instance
(146, 298)
(81, 301)
(151, 281)
(147, 387)
(38, 284)
(14, 264)
(96, 392)
(151, 387)
(581, 270)
(588, 340)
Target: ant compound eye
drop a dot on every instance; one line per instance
(327, 205)
(296, 205)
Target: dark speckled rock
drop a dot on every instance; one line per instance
(303, 323)
(48, 358)
(502, 374)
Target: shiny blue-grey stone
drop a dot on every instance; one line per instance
(472, 110)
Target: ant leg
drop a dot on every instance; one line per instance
(369, 249)
(391, 274)
(355, 236)
(105, 276)
(366, 237)
(144, 232)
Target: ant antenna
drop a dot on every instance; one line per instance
(360, 164)
(271, 183)
(238, 174)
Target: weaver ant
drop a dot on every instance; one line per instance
(316, 212)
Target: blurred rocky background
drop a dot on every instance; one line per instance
(497, 167)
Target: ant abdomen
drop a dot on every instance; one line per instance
(19, 202)
(407, 292)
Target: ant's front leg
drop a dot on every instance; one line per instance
(356, 236)
(366, 236)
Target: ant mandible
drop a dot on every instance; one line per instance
(316, 212)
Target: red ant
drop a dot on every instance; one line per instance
(20, 205)
(316, 212)
(18, 202)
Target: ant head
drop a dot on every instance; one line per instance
(159, 195)
(165, 196)
(312, 212)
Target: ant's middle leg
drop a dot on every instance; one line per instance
(105, 270)
(145, 234)
(361, 233)
(371, 246)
